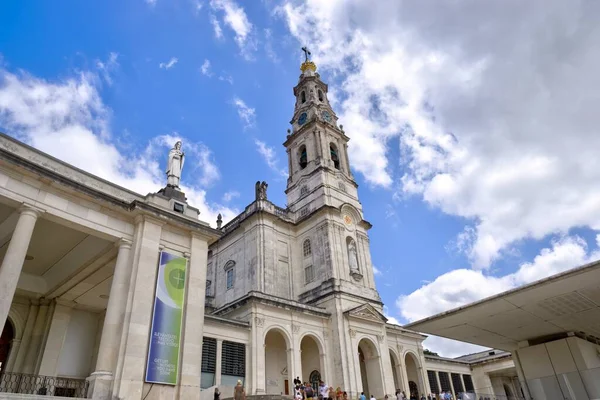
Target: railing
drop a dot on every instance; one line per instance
(42, 385)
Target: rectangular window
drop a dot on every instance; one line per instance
(468, 383)
(233, 361)
(457, 383)
(209, 362)
(208, 291)
(308, 274)
(433, 384)
(444, 381)
(229, 278)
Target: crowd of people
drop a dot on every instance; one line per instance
(306, 391)
(400, 395)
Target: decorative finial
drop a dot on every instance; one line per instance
(306, 53)
(307, 64)
(219, 221)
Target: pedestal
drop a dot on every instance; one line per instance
(173, 193)
(99, 385)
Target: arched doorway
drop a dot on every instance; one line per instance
(310, 357)
(395, 363)
(8, 334)
(370, 369)
(314, 379)
(277, 363)
(508, 392)
(412, 373)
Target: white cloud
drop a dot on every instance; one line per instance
(197, 4)
(270, 157)
(151, 3)
(246, 114)
(108, 66)
(226, 78)
(228, 196)
(170, 64)
(205, 68)
(216, 26)
(494, 107)
(376, 271)
(68, 119)
(269, 46)
(463, 286)
(235, 17)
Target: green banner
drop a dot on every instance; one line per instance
(167, 318)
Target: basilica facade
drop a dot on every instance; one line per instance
(98, 283)
(302, 276)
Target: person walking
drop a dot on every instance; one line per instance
(238, 391)
(362, 396)
(217, 394)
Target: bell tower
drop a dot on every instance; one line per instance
(317, 149)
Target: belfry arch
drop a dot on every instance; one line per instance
(371, 375)
(415, 384)
(277, 362)
(396, 370)
(311, 351)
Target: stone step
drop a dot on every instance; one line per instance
(264, 397)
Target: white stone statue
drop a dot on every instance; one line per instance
(353, 256)
(175, 165)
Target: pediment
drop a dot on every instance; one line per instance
(366, 312)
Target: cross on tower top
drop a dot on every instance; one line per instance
(306, 53)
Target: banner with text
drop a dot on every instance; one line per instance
(167, 318)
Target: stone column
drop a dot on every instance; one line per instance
(248, 382)
(324, 368)
(31, 356)
(15, 345)
(259, 372)
(219, 360)
(451, 384)
(317, 144)
(26, 338)
(290, 170)
(12, 264)
(346, 160)
(191, 342)
(113, 324)
(129, 381)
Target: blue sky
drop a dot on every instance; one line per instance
(457, 119)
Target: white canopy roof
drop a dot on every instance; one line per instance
(563, 303)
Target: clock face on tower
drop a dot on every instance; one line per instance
(326, 116)
(302, 118)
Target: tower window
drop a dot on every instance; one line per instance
(229, 273)
(229, 279)
(303, 97)
(309, 274)
(303, 190)
(334, 156)
(306, 249)
(320, 96)
(303, 157)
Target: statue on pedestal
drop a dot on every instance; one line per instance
(175, 165)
